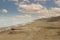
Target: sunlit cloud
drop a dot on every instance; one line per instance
(50, 13)
(41, 0)
(18, 17)
(28, 9)
(14, 18)
(4, 10)
(32, 8)
(55, 10)
(57, 2)
(14, 0)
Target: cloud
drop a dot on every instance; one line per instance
(2, 19)
(14, 0)
(21, 17)
(37, 8)
(10, 0)
(26, 0)
(55, 10)
(4, 10)
(15, 18)
(25, 16)
(57, 2)
(50, 13)
(32, 8)
(41, 0)
(36, 0)
(18, 19)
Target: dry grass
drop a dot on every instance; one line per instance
(38, 30)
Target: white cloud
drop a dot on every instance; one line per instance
(15, 18)
(35, 0)
(4, 10)
(26, 0)
(32, 8)
(10, 0)
(36, 8)
(21, 17)
(55, 10)
(6, 21)
(2, 19)
(50, 13)
(57, 2)
(41, 0)
(14, 0)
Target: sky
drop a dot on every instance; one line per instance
(14, 12)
